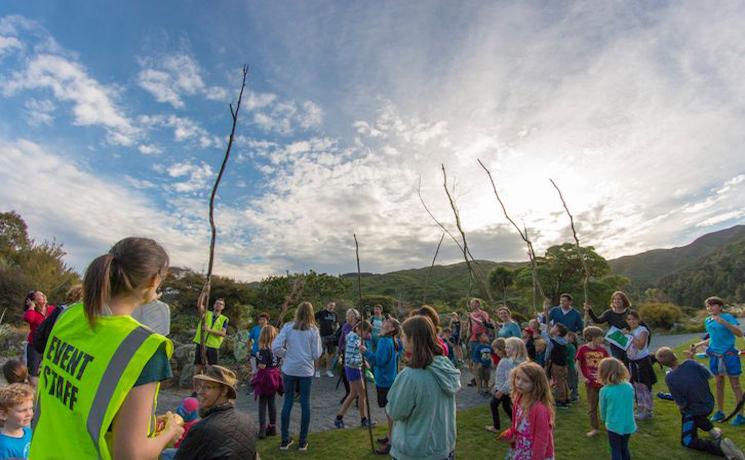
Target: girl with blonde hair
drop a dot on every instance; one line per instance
(617, 406)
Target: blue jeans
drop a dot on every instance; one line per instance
(290, 382)
(619, 446)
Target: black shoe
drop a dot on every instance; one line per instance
(562, 405)
(262, 433)
(383, 440)
(303, 446)
(472, 383)
(285, 444)
(271, 430)
(385, 449)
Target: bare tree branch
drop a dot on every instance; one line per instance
(523, 235)
(464, 247)
(204, 297)
(581, 256)
(429, 273)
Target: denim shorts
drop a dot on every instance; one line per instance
(726, 364)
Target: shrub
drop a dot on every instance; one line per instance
(660, 315)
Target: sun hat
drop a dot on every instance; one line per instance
(221, 375)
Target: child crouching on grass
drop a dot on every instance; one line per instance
(531, 435)
(17, 409)
(617, 407)
(689, 386)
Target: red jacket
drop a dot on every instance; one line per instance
(34, 318)
(540, 433)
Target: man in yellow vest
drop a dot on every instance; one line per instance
(217, 327)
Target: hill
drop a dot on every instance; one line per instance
(449, 283)
(647, 268)
(721, 273)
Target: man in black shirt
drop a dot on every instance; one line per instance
(328, 324)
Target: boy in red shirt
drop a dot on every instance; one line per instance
(588, 357)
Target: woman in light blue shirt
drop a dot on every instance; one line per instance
(510, 327)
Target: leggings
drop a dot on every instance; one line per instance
(689, 434)
(267, 403)
(506, 403)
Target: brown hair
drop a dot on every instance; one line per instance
(591, 332)
(624, 298)
(635, 314)
(541, 391)
(566, 296)
(74, 294)
(714, 300)
(304, 318)
(267, 335)
(264, 315)
(611, 371)
(15, 371)
(666, 356)
(420, 332)
(363, 326)
(128, 266)
(396, 327)
(430, 313)
(499, 343)
(15, 394)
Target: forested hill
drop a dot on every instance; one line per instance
(448, 282)
(647, 268)
(721, 273)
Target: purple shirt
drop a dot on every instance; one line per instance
(346, 329)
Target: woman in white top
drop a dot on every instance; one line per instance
(640, 366)
(299, 345)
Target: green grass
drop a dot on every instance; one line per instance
(655, 439)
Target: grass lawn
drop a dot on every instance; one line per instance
(658, 438)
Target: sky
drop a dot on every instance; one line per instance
(114, 120)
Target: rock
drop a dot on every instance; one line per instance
(185, 376)
(184, 355)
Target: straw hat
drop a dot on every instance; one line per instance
(221, 375)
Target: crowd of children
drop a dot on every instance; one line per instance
(414, 370)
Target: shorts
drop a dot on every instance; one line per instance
(726, 364)
(352, 374)
(484, 373)
(329, 344)
(211, 355)
(475, 356)
(33, 360)
(382, 396)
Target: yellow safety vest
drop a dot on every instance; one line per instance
(86, 373)
(212, 341)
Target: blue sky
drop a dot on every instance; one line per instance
(114, 118)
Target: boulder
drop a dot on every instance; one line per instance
(184, 355)
(185, 376)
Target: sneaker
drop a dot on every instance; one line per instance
(737, 421)
(730, 450)
(318, 374)
(717, 417)
(364, 423)
(591, 433)
(472, 383)
(491, 429)
(271, 430)
(383, 440)
(385, 449)
(339, 423)
(665, 396)
(285, 444)
(562, 405)
(262, 433)
(329, 373)
(715, 434)
(303, 446)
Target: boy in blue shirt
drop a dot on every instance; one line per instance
(724, 358)
(482, 355)
(17, 408)
(689, 387)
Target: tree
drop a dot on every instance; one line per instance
(561, 270)
(500, 280)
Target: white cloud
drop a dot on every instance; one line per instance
(184, 129)
(284, 116)
(39, 111)
(8, 44)
(140, 184)
(92, 102)
(196, 175)
(149, 149)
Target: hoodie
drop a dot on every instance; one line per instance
(421, 403)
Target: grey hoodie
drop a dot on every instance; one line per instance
(421, 403)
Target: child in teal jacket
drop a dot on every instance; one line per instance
(421, 401)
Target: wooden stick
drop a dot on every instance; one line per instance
(523, 235)
(429, 273)
(204, 297)
(579, 249)
(364, 365)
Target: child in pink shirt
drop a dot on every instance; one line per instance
(532, 432)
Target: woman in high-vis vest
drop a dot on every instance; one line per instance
(101, 369)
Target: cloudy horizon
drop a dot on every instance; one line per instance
(114, 122)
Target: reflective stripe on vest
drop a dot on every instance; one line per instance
(86, 374)
(212, 341)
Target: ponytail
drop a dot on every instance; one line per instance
(128, 266)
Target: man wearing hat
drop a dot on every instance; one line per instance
(223, 432)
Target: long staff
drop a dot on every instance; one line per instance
(364, 364)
